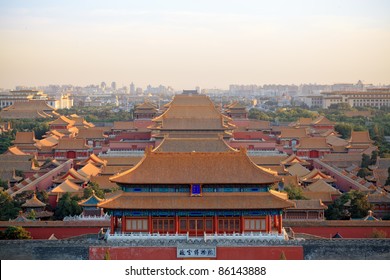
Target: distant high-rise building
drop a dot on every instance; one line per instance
(132, 88)
(103, 85)
(113, 85)
(139, 90)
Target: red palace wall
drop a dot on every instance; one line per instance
(59, 232)
(223, 253)
(345, 232)
(347, 229)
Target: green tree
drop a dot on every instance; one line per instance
(39, 126)
(294, 192)
(358, 208)
(93, 187)
(340, 107)
(365, 161)
(13, 232)
(31, 215)
(344, 129)
(43, 196)
(107, 255)
(8, 208)
(258, 115)
(359, 204)
(6, 139)
(336, 211)
(67, 206)
(374, 157)
(387, 183)
(363, 172)
(21, 198)
(19, 173)
(3, 184)
(377, 132)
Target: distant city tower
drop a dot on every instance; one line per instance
(132, 88)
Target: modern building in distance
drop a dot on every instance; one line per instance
(132, 89)
(9, 98)
(374, 97)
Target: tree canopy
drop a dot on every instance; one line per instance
(364, 172)
(13, 232)
(67, 206)
(387, 183)
(344, 129)
(353, 204)
(106, 113)
(294, 192)
(365, 161)
(9, 209)
(3, 184)
(93, 187)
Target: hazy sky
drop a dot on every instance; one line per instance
(188, 43)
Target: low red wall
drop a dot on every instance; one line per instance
(59, 232)
(223, 253)
(347, 229)
(345, 232)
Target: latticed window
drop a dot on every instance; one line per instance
(254, 224)
(163, 225)
(229, 225)
(136, 224)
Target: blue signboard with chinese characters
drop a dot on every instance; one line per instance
(195, 189)
(196, 252)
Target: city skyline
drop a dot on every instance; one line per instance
(190, 44)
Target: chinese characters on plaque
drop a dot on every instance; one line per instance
(201, 252)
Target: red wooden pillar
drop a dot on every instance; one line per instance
(115, 222)
(280, 223)
(269, 223)
(123, 223)
(242, 224)
(112, 229)
(150, 223)
(266, 223)
(216, 223)
(177, 223)
(276, 221)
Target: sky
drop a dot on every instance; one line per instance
(184, 44)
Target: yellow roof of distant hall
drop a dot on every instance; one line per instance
(66, 186)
